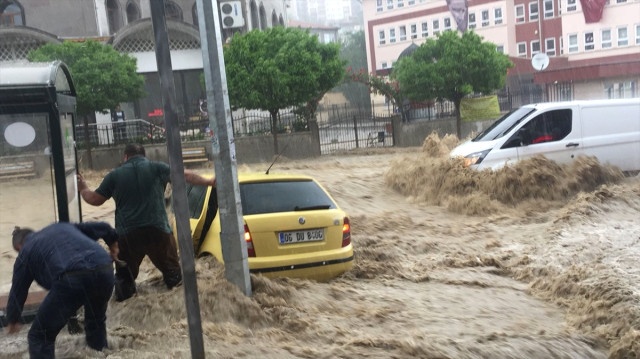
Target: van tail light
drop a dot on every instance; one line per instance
(247, 238)
(346, 232)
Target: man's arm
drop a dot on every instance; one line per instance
(97, 230)
(196, 179)
(89, 196)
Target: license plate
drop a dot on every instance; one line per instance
(309, 235)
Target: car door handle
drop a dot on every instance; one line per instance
(573, 144)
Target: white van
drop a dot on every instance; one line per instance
(561, 131)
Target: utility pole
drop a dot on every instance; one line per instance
(179, 192)
(234, 247)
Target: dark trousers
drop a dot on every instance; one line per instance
(162, 251)
(89, 288)
(119, 132)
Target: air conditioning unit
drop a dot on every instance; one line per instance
(231, 14)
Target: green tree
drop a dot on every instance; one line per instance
(452, 67)
(354, 52)
(102, 76)
(279, 68)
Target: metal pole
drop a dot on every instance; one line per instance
(234, 247)
(179, 192)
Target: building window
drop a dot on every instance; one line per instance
(379, 7)
(620, 1)
(497, 16)
(403, 33)
(571, 5)
(519, 13)
(500, 49)
(381, 37)
(605, 35)
(535, 47)
(561, 46)
(626, 89)
(548, 9)
(384, 64)
(392, 36)
(172, 11)
(411, 2)
(472, 20)
(485, 18)
(133, 13)
(400, 3)
(11, 14)
(533, 11)
(623, 37)
(389, 4)
(573, 43)
(637, 34)
(447, 23)
(522, 49)
(414, 31)
(436, 27)
(550, 46)
(588, 41)
(425, 29)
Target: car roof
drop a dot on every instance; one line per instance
(246, 177)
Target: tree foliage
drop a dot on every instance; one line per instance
(279, 68)
(452, 67)
(103, 77)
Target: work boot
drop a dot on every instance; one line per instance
(124, 289)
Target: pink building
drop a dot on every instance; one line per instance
(592, 54)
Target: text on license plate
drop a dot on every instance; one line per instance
(309, 235)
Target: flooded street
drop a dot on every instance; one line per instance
(536, 261)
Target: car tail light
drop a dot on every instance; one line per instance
(346, 232)
(247, 237)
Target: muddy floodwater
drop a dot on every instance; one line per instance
(533, 261)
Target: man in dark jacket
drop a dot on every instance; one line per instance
(65, 259)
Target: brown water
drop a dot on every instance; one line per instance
(534, 261)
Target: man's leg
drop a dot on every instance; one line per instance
(54, 312)
(98, 289)
(132, 255)
(163, 252)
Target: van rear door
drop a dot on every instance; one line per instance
(555, 134)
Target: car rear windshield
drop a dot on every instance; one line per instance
(283, 196)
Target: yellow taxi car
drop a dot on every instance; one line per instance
(293, 228)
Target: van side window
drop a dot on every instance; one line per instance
(546, 127)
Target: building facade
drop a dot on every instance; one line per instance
(593, 52)
(126, 25)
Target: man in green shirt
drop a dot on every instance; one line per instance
(137, 187)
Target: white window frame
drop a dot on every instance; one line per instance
(589, 41)
(571, 5)
(500, 49)
(472, 20)
(534, 15)
(548, 13)
(573, 48)
(403, 32)
(446, 23)
(411, 2)
(561, 45)
(392, 35)
(485, 17)
(550, 50)
(605, 39)
(497, 16)
(384, 64)
(436, 27)
(623, 40)
(519, 17)
(424, 27)
(389, 4)
(379, 6)
(534, 44)
(637, 34)
(414, 31)
(519, 47)
(381, 38)
(400, 4)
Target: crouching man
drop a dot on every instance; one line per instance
(65, 259)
